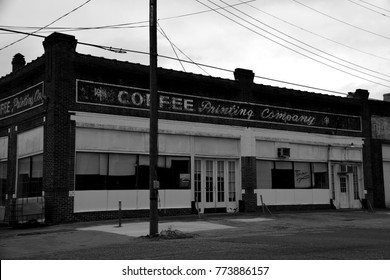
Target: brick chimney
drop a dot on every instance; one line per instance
(59, 53)
(18, 62)
(64, 42)
(359, 94)
(386, 97)
(244, 75)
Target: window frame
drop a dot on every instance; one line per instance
(3, 181)
(21, 189)
(168, 176)
(278, 166)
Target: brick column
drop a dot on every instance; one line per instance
(362, 95)
(248, 182)
(248, 170)
(245, 78)
(60, 51)
(11, 171)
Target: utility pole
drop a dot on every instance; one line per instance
(153, 128)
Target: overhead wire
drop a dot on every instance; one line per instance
(123, 50)
(122, 25)
(310, 46)
(47, 25)
(316, 34)
(172, 44)
(370, 9)
(159, 29)
(287, 47)
(368, 3)
(127, 24)
(339, 20)
(45, 31)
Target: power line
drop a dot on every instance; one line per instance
(61, 17)
(374, 6)
(121, 25)
(173, 48)
(289, 48)
(260, 77)
(310, 46)
(205, 11)
(87, 28)
(173, 45)
(316, 34)
(121, 50)
(75, 27)
(339, 20)
(300, 85)
(372, 10)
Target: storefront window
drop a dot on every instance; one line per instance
(264, 174)
(121, 172)
(320, 175)
(97, 171)
(291, 175)
(3, 181)
(143, 172)
(302, 175)
(36, 175)
(283, 175)
(91, 171)
(175, 174)
(30, 174)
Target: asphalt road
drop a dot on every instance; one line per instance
(347, 235)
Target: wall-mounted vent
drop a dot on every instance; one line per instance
(283, 152)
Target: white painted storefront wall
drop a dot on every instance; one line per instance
(108, 133)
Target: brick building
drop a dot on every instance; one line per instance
(74, 141)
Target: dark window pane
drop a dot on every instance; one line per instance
(36, 176)
(143, 177)
(321, 180)
(320, 175)
(3, 182)
(176, 174)
(121, 174)
(30, 173)
(91, 171)
(282, 179)
(23, 177)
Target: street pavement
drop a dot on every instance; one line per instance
(314, 235)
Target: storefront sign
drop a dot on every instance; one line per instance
(22, 101)
(112, 95)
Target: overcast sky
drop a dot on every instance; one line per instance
(338, 45)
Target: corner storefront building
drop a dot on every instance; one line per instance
(74, 142)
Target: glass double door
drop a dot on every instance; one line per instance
(215, 184)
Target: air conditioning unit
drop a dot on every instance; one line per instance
(344, 168)
(283, 152)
